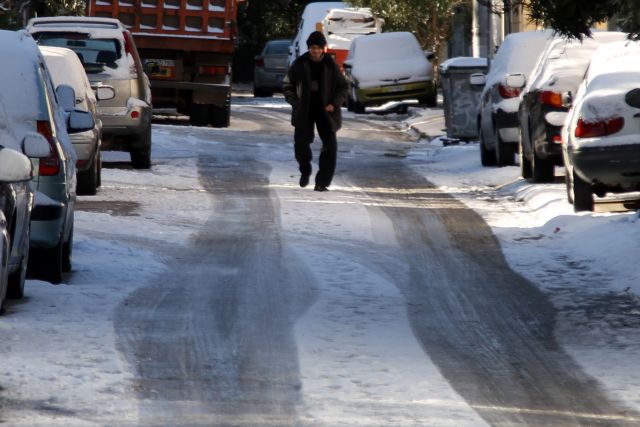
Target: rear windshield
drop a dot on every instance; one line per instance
(278, 48)
(96, 55)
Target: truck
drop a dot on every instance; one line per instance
(186, 47)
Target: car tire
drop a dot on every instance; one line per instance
(88, 180)
(67, 252)
(487, 157)
(220, 117)
(582, 194)
(569, 184)
(505, 152)
(16, 280)
(199, 115)
(525, 164)
(141, 152)
(99, 165)
(46, 264)
(542, 170)
(430, 100)
(4, 276)
(262, 93)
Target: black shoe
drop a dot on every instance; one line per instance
(304, 180)
(321, 188)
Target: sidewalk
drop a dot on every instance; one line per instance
(428, 123)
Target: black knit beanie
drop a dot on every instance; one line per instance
(317, 39)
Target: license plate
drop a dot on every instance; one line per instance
(391, 89)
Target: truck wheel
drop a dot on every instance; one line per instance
(220, 117)
(199, 115)
(141, 152)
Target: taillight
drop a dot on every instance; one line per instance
(259, 62)
(213, 70)
(49, 166)
(508, 92)
(551, 98)
(592, 129)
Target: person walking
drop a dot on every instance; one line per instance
(316, 90)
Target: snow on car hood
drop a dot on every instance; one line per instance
(388, 58)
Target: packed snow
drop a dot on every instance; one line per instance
(575, 258)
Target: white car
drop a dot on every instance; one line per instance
(388, 67)
(498, 126)
(601, 138)
(65, 68)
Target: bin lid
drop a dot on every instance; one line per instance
(463, 62)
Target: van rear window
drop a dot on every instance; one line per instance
(96, 55)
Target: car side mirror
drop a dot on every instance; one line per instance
(429, 55)
(517, 81)
(36, 146)
(567, 99)
(80, 121)
(105, 92)
(14, 166)
(347, 64)
(632, 98)
(66, 97)
(477, 79)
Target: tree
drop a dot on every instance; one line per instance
(575, 18)
(428, 20)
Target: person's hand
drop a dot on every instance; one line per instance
(329, 108)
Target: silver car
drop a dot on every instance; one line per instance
(270, 67)
(109, 55)
(65, 68)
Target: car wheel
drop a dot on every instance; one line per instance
(4, 277)
(141, 152)
(88, 180)
(431, 99)
(582, 194)
(569, 184)
(99, 166)
(350, 102)
(67, 252)
(15, 287)
(542, 169)
(525, 164)
(358, 108)
(487, 157)
(199, 115)
(505, 152)
(220, 117)
(46, 264)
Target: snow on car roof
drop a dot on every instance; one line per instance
(18, 78)
(564, 63)
(518, 53)
(463, 62)
(385, 47)
(613, 72)
(65, 68)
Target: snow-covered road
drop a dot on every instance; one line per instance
(212, 290)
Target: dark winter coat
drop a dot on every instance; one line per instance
(297, 90)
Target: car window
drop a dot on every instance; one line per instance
(277, 48)
(96, 55)
(45, 109)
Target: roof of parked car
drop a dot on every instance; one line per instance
(19, 98)
(65, 68)
(73, 21)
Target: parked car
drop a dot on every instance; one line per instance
(498, 126)
(16, 189)
(65, 68)
(548, 93)
(388, 67)
(109, 55)
(270, 67)
(601, 148)
(37, 107)
(312, 14)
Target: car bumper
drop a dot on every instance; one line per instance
(124, 121)
(269, 79)
(396, 92)
(615, 168)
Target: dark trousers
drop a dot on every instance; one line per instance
(303, 137)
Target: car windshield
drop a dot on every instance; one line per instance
(96, 55)
(277, 48)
